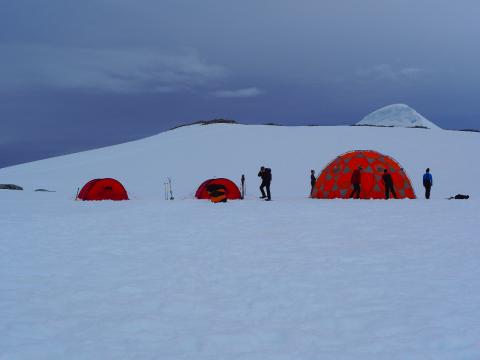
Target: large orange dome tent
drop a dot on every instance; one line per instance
(231, 190)
(334, 180)
(103, 189)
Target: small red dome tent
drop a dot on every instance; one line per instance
(103, 189)
(231, 190)
(335, 179)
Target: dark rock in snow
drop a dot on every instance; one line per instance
(10, 187)
(208, 122)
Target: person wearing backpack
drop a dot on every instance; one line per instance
(427, 183)
(266, 175)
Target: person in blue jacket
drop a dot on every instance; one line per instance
(427, 183)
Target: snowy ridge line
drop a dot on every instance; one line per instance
(391, 126)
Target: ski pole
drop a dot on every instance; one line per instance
(243, 186)
(170, 185)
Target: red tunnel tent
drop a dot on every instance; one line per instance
(335, 179)
(103, 189)
(231, 190)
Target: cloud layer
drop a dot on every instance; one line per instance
(105, 70)
(239, 93)
(390, 73)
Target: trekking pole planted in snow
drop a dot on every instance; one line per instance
(170, 187)
(76, 196)
(245, 189)
(243, 186)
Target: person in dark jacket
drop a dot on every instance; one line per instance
(266, 175)
(261, 174)
(356, 180)
(427, 183)
(313, 180)
(388, 182)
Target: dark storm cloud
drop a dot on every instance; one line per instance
(135, 67)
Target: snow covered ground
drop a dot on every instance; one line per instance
(291, 279)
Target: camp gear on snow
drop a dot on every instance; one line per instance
(335, 179)
(231, 190)
(217, 193)
(170, 188)
(103, 189)
(459, 197)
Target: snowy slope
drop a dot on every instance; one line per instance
(398, 115)
(192, 154)
(295, 278)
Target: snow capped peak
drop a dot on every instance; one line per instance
(397, 115)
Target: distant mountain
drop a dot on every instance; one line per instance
(397, 115)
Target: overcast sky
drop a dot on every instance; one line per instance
(81, 74)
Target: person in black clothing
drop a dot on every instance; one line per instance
(388, 182)
(356, 180)
(262, 175)
(313, 180)
(266, 175)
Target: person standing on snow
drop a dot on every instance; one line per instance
(356, 180)
(388, 182)
(427, 183)
(261, 174)
(313, 180)
(266, 175)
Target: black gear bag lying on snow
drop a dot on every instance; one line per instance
(459, 197)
